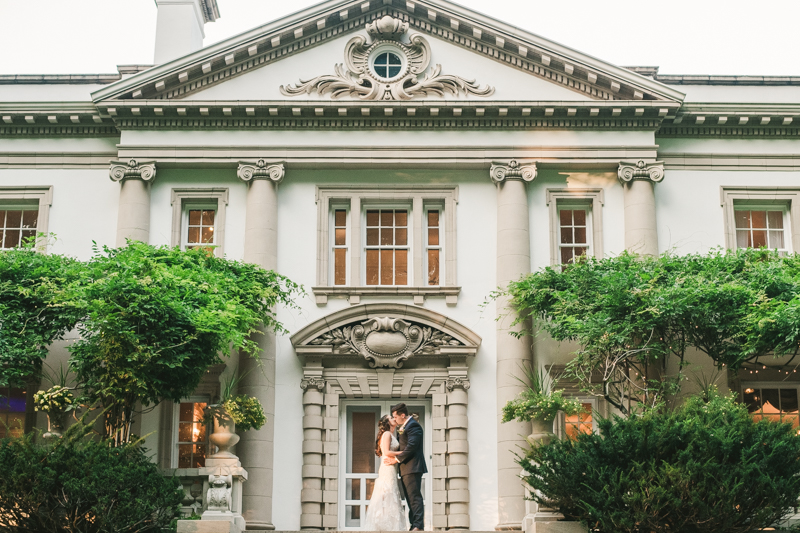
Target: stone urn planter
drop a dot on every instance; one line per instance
(55, 424)
(224, 436)
(55, 402)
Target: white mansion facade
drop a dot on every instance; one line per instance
(401, 159)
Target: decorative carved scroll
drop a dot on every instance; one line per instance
(385, 341)
(355, 78)
(261, 170)
(132, 169)
(219, 493)
(500, 172)
(312, 383)
(641, 171)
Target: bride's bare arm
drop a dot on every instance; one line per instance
(386, 442)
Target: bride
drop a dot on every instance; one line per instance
(385, 512)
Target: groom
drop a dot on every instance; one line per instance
(412, 464)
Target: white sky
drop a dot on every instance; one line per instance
(679, 36)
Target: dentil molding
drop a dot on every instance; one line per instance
(500, 172)
(359, 78)
(640, 170)
(261, 170)
(132, 169)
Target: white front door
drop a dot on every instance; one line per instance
(358, 467)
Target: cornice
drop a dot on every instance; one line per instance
(438, 18)
(733, 120)
(54, 118)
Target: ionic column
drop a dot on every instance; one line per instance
(256, 448)
(457, 452)
(312, 501)
(641, 231)
(513, 261)
(133, 219)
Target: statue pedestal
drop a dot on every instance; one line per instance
(223, 494)
(540, 519)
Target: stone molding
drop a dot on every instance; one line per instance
(653, 171)
(592, 198)
(261, 170)
(783, 197)
(358, 79)
(132, 169)
(513, 170)
(180, 197)
(24, 195)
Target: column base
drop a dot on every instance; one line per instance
(509, 526)
(260, 526)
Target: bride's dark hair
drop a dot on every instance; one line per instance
(383, 427)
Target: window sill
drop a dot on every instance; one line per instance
(354, 294)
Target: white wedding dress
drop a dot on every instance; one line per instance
(385, 512)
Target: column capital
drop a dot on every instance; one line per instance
(312, 382)
(261, 170)
(629, 171)
(512, 170)
(457, 382)
(132, 169)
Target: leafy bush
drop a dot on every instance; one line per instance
(78, 485)
(705, 467)
(538, 401)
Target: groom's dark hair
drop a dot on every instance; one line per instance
(400, 408)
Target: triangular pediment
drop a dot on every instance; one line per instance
(518, 65)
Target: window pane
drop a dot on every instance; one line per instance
(27, 234)
(580, 234)
(386, 267)
(372, 267)
(386, 236)
(751, 399)
(372, 237)
(580, 217)
(363, 451)
(2, 218)
(433, 236)
(566, 236)
(771, 397)
(566, 255)
(340, 217)
(401, 236)
(372, 218)
(565, 217)
(194, 235)
(208, 217)
(208, 234)
(199, 459)
(759, 219)
(30, 217)
(433, 218)
(401, 218)
(194, 217)
(789, 400)
(387, 218)
(186, 412)
(340, 266)
(743, 238)
(354, 489)
(370, 483)
(341, 237)
(184, 456)
(759, 238)
(433, 267)
(776, 239)
(742, 219)
(11, 239)
(401, 267)
(185, 432)
(13, 219)
(775, 219)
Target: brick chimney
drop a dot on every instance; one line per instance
(179, 27)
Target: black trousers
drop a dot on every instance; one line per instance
(412, 487)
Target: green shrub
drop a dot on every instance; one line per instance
(706, 466)
(78, 485)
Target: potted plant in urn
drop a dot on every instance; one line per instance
(56, 402)
(233, 412)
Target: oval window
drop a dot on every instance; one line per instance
(387, 65)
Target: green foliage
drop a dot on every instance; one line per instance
(34, 310)
(705, 467)
(79, 485)
(55, 399)
(539, 401)
(157, 317)
(630, 314)
(246, 412)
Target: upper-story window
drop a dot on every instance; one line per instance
(761, 227)
(17, 225)
(575, 224)
(378, 240)
(200, 226)
(198, 218)
(192, 435)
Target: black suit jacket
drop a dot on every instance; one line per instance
(412, 456)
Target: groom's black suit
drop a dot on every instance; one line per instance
(412, 466)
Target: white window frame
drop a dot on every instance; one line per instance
(14, 197)
(732, 198)
(409, 246)
(348, 241)
(782, 207)
(216, 198)
(590, 199)
(175, 438)
(418, 197)
(198, 205)
(433, 206)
